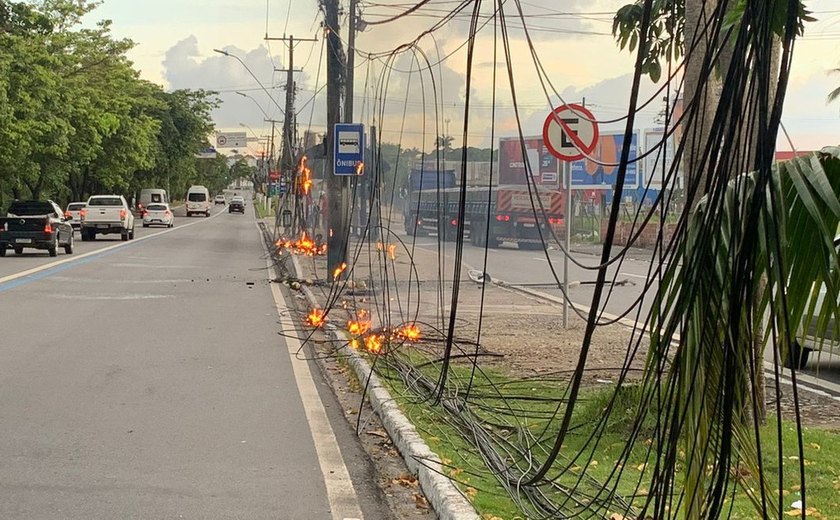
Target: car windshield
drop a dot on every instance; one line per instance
(105, 201)
(156, 207)
(197, 197)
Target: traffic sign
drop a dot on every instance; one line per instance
(348, 148)
(274, 175)
(231, 139)
(570, 132)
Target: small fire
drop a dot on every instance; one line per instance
(374, 342)
(338, 270)
(360, 168)
(410, 332)
(305, 176)
(316, 318)
(302, 246)
(361, 325)
(392, 251)
(354, 344)
(380, 246)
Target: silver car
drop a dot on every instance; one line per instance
(158, 215)
(74, 213)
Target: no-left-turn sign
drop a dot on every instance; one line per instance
(570, 132)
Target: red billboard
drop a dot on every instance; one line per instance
(539, 162)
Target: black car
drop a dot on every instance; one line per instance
(237, 204)
(38, 224)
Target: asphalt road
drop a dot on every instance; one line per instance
(150, 381)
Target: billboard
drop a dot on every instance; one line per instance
(231, 140)
(540, 163)
(591, 175)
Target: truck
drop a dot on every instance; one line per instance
(107, 214)
(492, 214)
(37, 224)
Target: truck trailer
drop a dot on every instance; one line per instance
(492, 214)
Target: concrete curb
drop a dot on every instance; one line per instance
(445, 498)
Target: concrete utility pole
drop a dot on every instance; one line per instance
(338, 228)
(351, 64)
(287, 160)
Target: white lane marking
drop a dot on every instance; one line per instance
(344, 503)
(120, 297)
(73, 258)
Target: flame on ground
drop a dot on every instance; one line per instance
(392, 251)
(374, 343)
(316, 318)
(302, 246)
(410, 332)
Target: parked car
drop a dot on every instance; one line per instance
(220, 199)
(107, 214)
(158, 215)
(37, 224)
(198, 201)
(74, 213)
(237, 204)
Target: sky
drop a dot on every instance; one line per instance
(175, 42)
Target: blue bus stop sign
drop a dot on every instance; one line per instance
(348, 148)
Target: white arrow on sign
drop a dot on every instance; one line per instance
(570, 132)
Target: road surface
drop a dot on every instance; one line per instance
(150, 381)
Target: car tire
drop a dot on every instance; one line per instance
(145, 225)
(131, 234)
(68, 247)
(124, 236)
(207, 214)
(2, 251)
(53, 249)
(18, 250)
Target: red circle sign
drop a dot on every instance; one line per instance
(570, 132)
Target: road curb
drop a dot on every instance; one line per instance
(445, 498)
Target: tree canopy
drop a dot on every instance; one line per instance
(76, 119)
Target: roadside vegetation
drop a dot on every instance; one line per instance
(76, 119)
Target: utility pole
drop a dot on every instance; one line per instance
(338, 228)
(271, 141)
(287, 159)
(351, 64)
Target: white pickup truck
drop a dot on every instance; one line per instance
(107, 214)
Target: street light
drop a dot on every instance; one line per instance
(229, 55)
(255, 102)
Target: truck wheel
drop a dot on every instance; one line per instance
(92, 234)
(18, 250)
(798, 356)
(68, 247)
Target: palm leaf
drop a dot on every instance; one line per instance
(718, 315)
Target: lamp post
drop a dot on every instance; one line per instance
(267, 93)
(255, 102)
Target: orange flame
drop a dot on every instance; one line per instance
(316, 318)
(392, 251)
(361, 325)
(410, 332)
(380, 246)
(373, 343)
(338, 270)
(360, 168)
(354, 344)
(305, 176)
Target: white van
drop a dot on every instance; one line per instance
(198, 201)
(151, 196)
